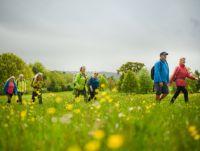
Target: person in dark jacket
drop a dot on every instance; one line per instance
(10, 88)
(93, 85)
(161, 77)
(37, 85)
(179, 77)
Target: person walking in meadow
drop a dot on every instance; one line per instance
(179, 77)
(21, 86)
(80, 82)
(37, 85)
(10, 88)
(161, 77)
(93, 85)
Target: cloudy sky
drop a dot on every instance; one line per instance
(101, 34)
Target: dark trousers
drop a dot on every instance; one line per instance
(81, 92)
(37, 94)
(178, 91)
(9, 98)
(19, 94)
(92, 95)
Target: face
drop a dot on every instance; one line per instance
(96, 75)
(21, 77)
(163, 57)
(182, 61)
(39, 78)
(12, 80)
(83, 70)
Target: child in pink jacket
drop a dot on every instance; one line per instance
(179, 77)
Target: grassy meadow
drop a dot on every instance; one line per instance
(115, 121)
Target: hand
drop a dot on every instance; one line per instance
(161, 84)
(91, 89)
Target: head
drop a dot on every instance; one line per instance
(83, 69)
(96, 74)
(163, 56)
(182, 61)
(21, 77)
(11, 79)
(39, 77)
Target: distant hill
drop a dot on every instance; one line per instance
(107, 74)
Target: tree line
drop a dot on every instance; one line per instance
(134, 76)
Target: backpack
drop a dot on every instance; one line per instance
(152, 72)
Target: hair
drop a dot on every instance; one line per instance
(81, 68)
(12, 77)
(36, 76)
(182, 58)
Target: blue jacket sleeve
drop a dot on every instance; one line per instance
(89, 81)
(5, 87)
(157, 76)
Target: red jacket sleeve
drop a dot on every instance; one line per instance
(174, 75)
(190, 76)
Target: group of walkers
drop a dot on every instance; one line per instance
(19, 87)
(84, 86)
(162, 81)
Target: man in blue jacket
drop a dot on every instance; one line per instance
(93, 85)
(161, 77)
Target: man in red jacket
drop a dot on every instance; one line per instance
(179, 76)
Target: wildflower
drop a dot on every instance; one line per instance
(58, 99)
(103, 85)
(51, 110)
(98, 134)
(77, 111)
(92, 146)
(23, 114)
(69, 107)
(115, 141)
(74, 148)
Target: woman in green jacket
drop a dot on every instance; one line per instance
(80, 82)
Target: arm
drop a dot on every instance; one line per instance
(15, 88)
(190, 76)
(76, 80)
(5, 87)
(157, 76)
(174, 75)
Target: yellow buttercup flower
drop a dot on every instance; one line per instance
(58, 100)
(98, 134)
(194, 132)
(74, 148)
(69, 107)
(23, 114)
(115, 141)
(77, 111)
(51, 110)
(103, 85)
(92, 146)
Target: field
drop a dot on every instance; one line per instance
(116, 121)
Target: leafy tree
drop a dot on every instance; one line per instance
(145, 82)
(130, 66)
(130, 82)
(103, 82)
(12, 65)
